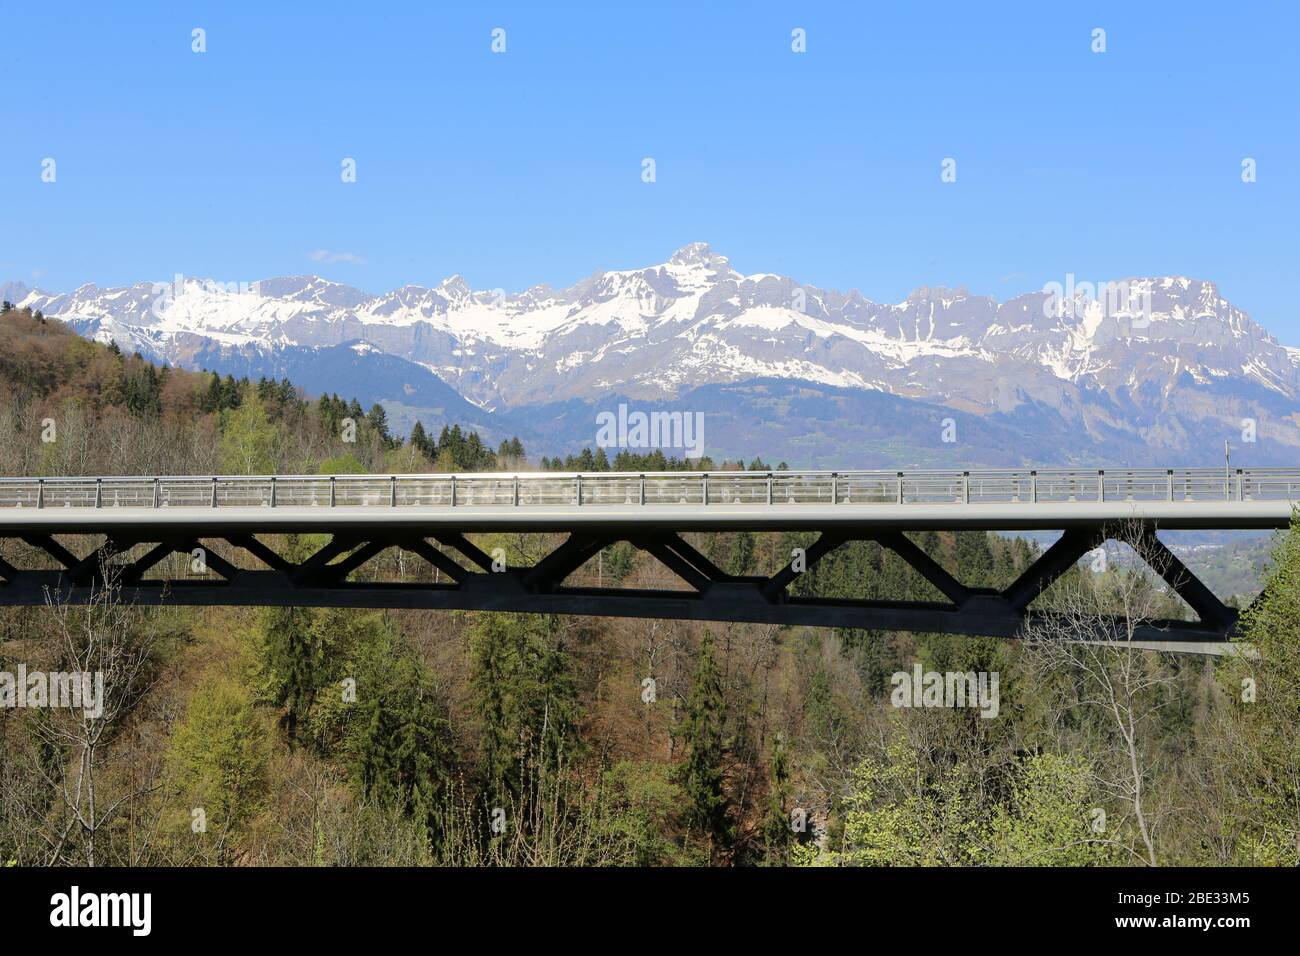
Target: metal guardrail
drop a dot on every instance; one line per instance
(653, 488)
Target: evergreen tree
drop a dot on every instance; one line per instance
(973, 558)
(420, 442)
(776, 825)
(294, 659)
(476, 454)
(378, 419)
(702, 733)
(525, 697)
(211, 400)
(142, 389)
(741, 558)
(401, 755)
(452, 441)
(230, 395)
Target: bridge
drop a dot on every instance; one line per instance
(143, 520)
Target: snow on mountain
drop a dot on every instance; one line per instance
(1097, 359)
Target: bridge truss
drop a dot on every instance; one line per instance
(141, 522)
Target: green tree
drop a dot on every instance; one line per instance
(344, 464)
(524, 695)
(378, 419)
(702, 734)
(741, 558)
(399, 741)
(248, 440)
(293, 656)
(1260, 734)
(907, 808)
(211, 400)
(645, 803)
(422, 443)
(218, 757)
(776, 825)
(231, 395)
(1049, 818)
(906, 811)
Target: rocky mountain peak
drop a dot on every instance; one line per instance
(693, 321)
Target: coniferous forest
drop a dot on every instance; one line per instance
(244, 736)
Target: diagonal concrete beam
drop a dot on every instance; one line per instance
(466, 547)
(776, 586)
(421, 548)
(673, 562)
(692, 556)
(577, 550)
(1064, 553)
(1186, 585)
(926, 566)
(260, 551)
(336, 546)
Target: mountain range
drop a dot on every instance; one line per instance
(1160, 375)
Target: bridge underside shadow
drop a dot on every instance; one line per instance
(472, 583)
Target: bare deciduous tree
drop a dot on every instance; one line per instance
(113, 640)
(1087, 634)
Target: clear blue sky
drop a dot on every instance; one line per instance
(525, 167)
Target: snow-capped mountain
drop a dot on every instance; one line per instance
(1140, 365)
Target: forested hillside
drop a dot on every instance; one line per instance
(339, 737)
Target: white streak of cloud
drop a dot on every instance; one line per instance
(329, 256)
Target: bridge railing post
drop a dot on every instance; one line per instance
(965, 487)
(900, 487)
(453, 491)
(392, 492)
(99, 492)
(1169, 484)
(214, 491)
(769, 487)
(1033, 487)
(156, 496)
(516, 491)
(835, 488)
(1101, 485)
(577, 488)
(40, 492)
(641, 490)
(272, 491)
(333, 491)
